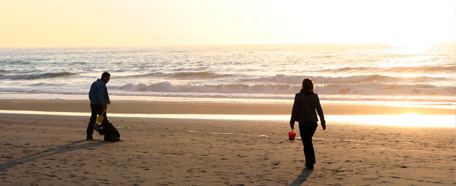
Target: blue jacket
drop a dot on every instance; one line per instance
(98, 93)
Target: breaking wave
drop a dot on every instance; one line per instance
(330, 89)
(37, 76)
(183, 75)
(280, 78)
(448, 69)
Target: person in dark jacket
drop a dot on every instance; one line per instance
(305, 108)
(99, 99)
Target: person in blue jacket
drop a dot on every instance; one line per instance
(99, 99)
(305, 108)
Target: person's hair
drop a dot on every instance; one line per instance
(308, 86)
(105, 74)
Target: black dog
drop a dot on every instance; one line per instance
(110, 132)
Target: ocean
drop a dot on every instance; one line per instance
(361, 73)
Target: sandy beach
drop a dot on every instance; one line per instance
(52, 150)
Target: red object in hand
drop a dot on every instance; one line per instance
(291, 135)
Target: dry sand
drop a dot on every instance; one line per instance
(51, 150)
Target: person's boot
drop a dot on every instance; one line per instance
(89, 138)
(309, 165)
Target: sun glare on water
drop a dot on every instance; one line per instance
(403, 120)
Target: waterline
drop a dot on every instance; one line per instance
(403, 120)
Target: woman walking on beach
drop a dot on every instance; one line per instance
(305, 108)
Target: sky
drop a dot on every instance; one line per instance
(90, 23)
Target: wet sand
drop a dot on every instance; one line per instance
(143, 107)
(51, 150)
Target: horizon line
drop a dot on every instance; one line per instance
(183, 44)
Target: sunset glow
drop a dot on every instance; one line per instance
(52, 23)
(403, 120)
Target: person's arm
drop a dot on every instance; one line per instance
(294, 112)
(108, 101)
(320, 113)
(100, 96)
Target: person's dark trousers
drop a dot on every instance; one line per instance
(96, 110)
(307, 130)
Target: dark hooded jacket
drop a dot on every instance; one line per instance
(305, 108)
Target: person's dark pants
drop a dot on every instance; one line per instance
(96, 110)
(307, 130)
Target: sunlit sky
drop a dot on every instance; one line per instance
(75, 23)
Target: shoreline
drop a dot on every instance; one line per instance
(155, 107)
(350, 114)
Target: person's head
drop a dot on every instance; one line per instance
(308, 86)
(105, 77)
